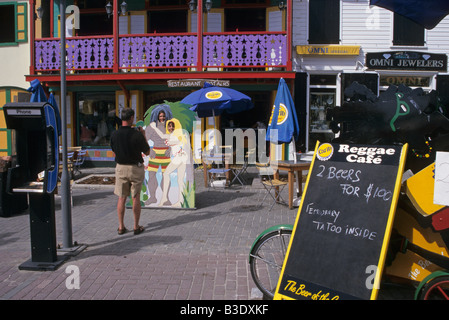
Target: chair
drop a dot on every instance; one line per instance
(239, 170)
(217, 177)
(216, 173)
(69, 164)
(270, 184)
(78, 162)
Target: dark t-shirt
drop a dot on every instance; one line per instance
(128, 145)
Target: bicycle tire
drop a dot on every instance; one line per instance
(436, 289)
(267, 258)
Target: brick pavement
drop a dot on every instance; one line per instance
(197, 254)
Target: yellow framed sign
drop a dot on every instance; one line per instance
(340, 238)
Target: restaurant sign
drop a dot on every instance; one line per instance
(197, 83)
(406, 60)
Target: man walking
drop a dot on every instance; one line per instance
(128, 145)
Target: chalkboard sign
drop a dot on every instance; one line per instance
(344, 223)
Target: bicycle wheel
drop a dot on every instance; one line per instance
(436, 289)
(267, 258)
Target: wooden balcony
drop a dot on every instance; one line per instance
(144, 53)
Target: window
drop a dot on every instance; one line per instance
(95, 24)
(97, 118)
(7, 33)
(324, 22)
(13, 23)
(407, 32)
(245, 19)
(167, 21)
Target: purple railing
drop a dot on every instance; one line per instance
(245, 50)
(143, 52)
(82, 54)
(171, 51)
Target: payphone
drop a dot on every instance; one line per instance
(34, 170)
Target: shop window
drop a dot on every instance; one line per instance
(407, 32)
(97, 118)
(324, 22)
(320, 101)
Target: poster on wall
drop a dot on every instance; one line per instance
(169, 179)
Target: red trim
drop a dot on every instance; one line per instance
(32, 37)
(115, 34)
(52, 31)
(289, 33)
(165, 76)
(199, 30)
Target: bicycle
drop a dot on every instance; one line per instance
(267, 256)
(268, 252)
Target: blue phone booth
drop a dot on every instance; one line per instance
(34, 170)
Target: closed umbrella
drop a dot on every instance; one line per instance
(283, 126)
(283, 116)
(52, 117)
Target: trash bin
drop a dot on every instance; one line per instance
(9, 203)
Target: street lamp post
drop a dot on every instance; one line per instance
(65, 179)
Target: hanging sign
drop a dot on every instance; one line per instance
(406, 60)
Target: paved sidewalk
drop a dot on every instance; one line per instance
(197, 254)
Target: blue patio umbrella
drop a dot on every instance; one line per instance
(212, 101)
(283, 117)
(427, 13)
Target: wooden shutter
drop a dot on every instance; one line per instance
(407, 32)
(21, 22)
(324, 22)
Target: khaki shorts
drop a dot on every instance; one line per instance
(128, 180)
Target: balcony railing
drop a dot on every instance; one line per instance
(168, 52)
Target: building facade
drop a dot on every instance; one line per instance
(151, 51)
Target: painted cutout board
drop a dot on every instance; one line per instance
(341, 234)
(169, 171)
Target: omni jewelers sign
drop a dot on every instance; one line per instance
(406, 60)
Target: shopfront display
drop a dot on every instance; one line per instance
(97, 118)
(319, 126)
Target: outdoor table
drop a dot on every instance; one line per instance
(291, 167)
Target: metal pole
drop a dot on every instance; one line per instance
(65, 179)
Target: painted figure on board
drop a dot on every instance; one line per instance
(178, 140)
(159, 157)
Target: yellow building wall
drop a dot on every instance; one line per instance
(7, 95)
